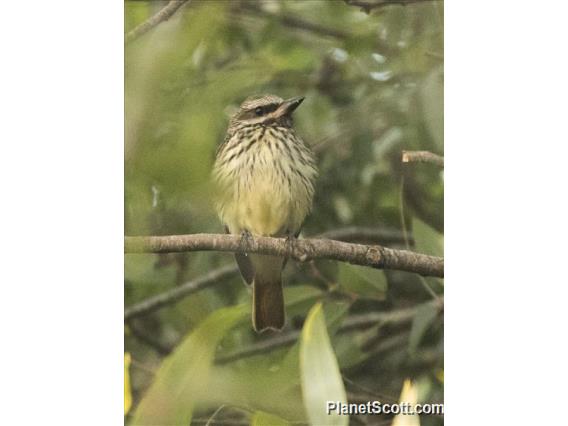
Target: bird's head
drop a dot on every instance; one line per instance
(266, 110)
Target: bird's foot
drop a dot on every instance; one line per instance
(246, 240)
(290, 241)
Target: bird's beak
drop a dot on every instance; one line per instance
(289, 105)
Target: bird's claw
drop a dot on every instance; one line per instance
(290, 240)
(246, 240)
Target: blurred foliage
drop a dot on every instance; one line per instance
(180, 379)
(374, 87)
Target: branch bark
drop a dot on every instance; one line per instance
(162, 15)
(422, 157)
(172, 296)
(375, 256)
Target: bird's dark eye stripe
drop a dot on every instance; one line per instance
(261, 110)
(271, 107)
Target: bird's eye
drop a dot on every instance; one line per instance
(258, 111)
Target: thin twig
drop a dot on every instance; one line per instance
(229, 422)
(148, 339)
(162, 15)
(143, 367)
(302, 250)
(263, 346)
(422, 157)
(363, 234)
(368, 6)
(294, 22)
(371, 392)
(402, 218)
(351, 323)
(176, 294)
(435, 55)
(214, 414)
(396, 316)
(389, 343)
(424, 283)
(314, 271)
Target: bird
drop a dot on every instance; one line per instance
(264, 176)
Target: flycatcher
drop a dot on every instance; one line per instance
(265, 177)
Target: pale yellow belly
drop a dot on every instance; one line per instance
(266, 196)
(265, 206)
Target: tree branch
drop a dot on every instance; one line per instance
(218, 275)
(172, 296)
(162, 15)
(363, 234)
(368, 6)
(148, 339)
(375, 256)
(294, 22)
(422, 157)
(264, 346)
(398, 316)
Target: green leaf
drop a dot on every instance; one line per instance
(428, 240)
(267, 382)
(261, 418)
(366, 282)
(321, 378)
(433, 105)
(300, 293)
(424, 316)
(178, 383)
(257, 384)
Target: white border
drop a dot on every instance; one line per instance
(506, 213)
(61, 155)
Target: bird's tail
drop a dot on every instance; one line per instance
(268, 299)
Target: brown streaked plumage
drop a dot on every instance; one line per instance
(265, 184)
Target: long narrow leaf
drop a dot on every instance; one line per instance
(179, 381)
(321, 379)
